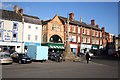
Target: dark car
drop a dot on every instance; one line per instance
(80, 54)
(55, 56)
(22, 59)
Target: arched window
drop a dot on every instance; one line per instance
(55, 39)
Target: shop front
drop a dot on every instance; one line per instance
(26, 44)
(95, 47)
(7, 46)
(85, 47)
(74, 48)
(54, 47)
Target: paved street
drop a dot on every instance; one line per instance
(51, 69)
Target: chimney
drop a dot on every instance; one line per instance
(103, 29)
(97, 26)
(21, 11)
(16, 8)
(42, 21)
(71, 16)
(81, 19)
(93, 22)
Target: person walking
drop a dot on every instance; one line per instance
(87, 57)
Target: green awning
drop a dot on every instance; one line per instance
(54, 45)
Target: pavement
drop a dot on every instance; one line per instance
(50, 69)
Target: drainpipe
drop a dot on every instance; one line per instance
(22, 47)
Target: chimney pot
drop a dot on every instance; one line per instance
(21, 11)
(103, 29)
(97, 26)
(71, 16)
(16, 8)
(42, 20)
(81, 19)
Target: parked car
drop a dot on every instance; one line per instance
(5, 58)
(91, 54)
(21, 58)
(55, 56)
(80, 54)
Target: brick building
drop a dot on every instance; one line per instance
(82, 36)
(53, 34)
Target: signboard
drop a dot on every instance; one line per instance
(32, 43)
(7, 35)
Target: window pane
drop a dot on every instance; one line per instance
(14, 25)
(0, 34)
(28, 37)
(0, 25)
(36, 37)
(14, 35)
(36, 27)
(29, 27)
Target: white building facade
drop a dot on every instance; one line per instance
(10, 30)
(32, 31)
(15, 31)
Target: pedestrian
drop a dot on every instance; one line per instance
(87, 57)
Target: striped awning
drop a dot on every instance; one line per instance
(54, 45)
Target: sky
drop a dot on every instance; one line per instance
(105, 14)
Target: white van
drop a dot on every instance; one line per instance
(5, 58)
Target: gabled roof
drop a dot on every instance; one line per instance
(31, 19)
(45, 22)
(75, 22)
(13, 16)
(93, 27)
(10, 15)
